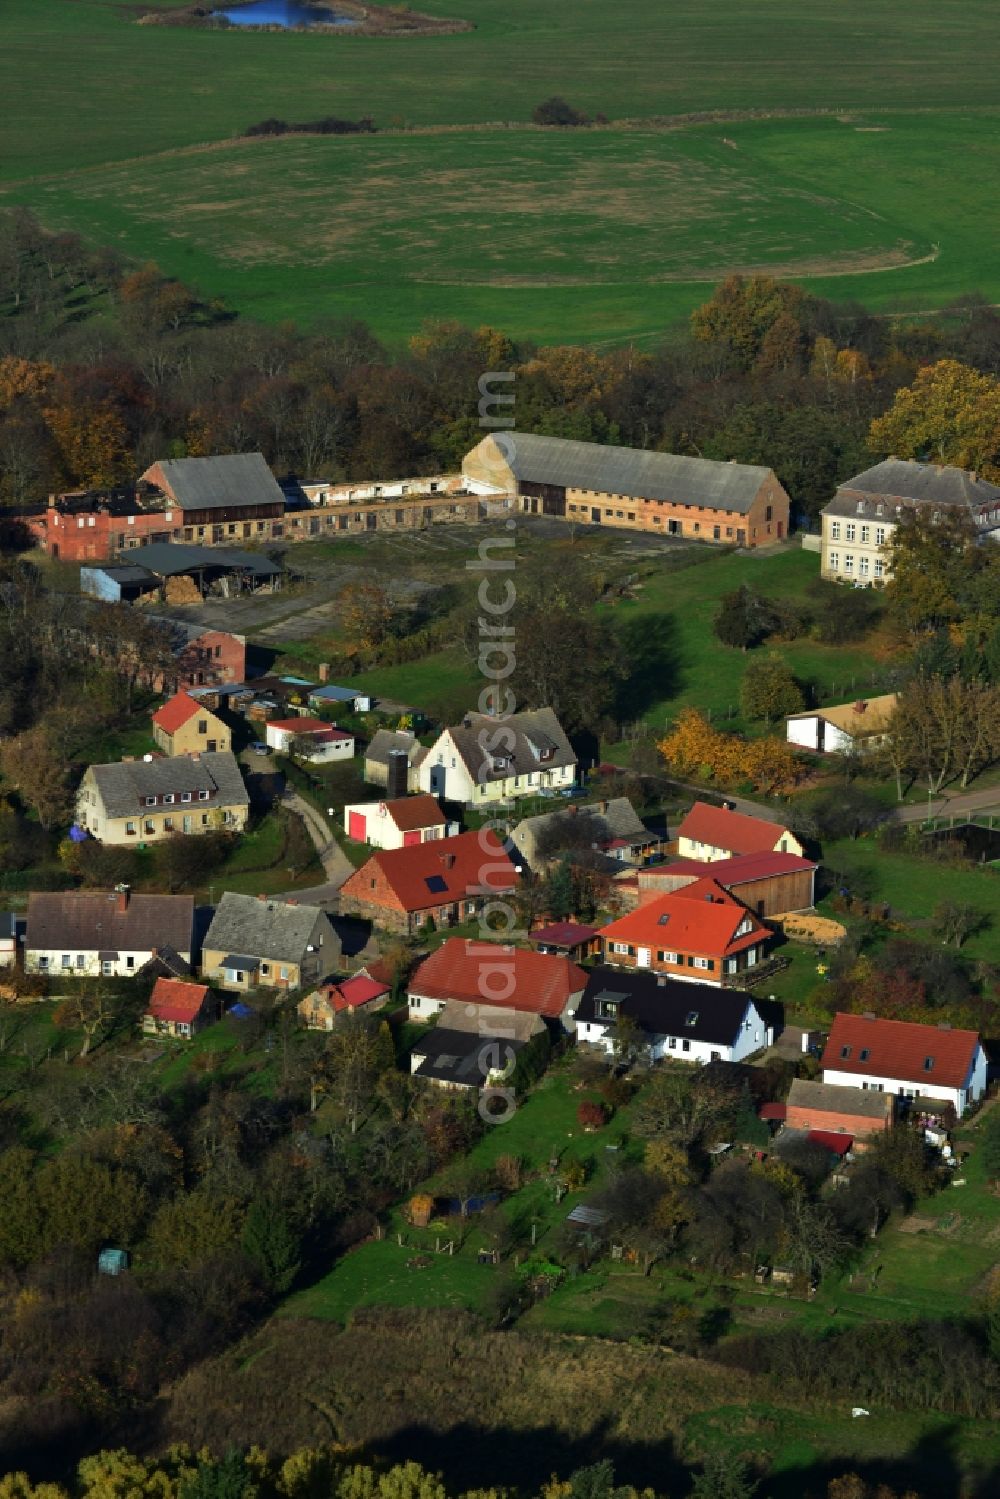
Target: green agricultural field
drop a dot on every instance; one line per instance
(598, 235)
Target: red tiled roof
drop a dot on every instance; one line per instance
(738, 870)
(324, 731)
(772, 1111)
(701, 918)
(839, 1144)
(489, 973)
(352, 993)
(563, 934)
(899, 1049)
(720, 828)
(176, 712)
(421, 811)
(438, 873)
(177, 1001)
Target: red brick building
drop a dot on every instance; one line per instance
(448, 880)
(211, 659)
(836, 1110)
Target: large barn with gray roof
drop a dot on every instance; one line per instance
(735, 504)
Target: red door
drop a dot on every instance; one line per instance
(356, 825)
(410, 838)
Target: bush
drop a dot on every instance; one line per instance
(556, 111)
(591, 1115)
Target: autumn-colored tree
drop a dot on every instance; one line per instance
(950, 414)
(19, 378)
(92, 441)
(39, 774)
(366, 611)
(743, 311)
(695, 748)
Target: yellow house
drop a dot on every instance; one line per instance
(184, 727)
(143, 801)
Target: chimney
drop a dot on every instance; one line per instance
(262, 897)
(291, 901)
(860, 706)
(944, 1025)
(448, 860)
(868, 1015)
(323, 671)
(128, 759)
(467, 721)
(604, 807)
(121, 899)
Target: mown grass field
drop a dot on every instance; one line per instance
(599, 235)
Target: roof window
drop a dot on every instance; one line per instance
(928, 1064)
(864, 1054)
(692, 1017)
(845, 1052)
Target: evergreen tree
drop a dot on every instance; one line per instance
(559, 891)
(272, 1243)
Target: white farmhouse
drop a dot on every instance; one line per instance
(485, 760)
(910, 1060)
(846, 727)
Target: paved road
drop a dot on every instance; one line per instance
(336, 865)
(952, 804)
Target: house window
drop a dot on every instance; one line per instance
(672, 1043)
(850, 531)
(928, 1064)
(81, 960)
(149, 826)
(849, 562)
(150, 801)
(130, 829)
(203, 796)
(833, 561)
(43, 960)
(283, 973)
(864, 1054)
(265, 968)
(835, 530)
(168, 824)
(880, 536)
(169, 799)
(879, 567)
(130, 961)
(862, 567)
(185, 796)
(768, 513)
(866, 531)
(716, 533)
(685, 1044)
(203, 726)
(845, 1052)
(66, 961)
(702, 963)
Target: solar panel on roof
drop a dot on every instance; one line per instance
(436, 883)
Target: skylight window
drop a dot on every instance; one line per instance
(662, 920)
(864, 1054)
(845, 1052)
(928, 1064)
(436, 883)
(692, 1017)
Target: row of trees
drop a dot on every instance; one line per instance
(765, 374)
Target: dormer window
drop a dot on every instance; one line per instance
(150, 801)
(185, 796)
(169, 798)
(500, 762)
(203, 796)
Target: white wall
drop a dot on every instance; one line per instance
(91, 966)
(382, 832)
(925, 1088)
(752, 1036)
(460, 786)
(337, 749)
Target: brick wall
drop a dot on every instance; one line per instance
(848, 1124)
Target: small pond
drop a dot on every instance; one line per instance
(284, 13)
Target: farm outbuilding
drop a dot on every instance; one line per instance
(178, 573)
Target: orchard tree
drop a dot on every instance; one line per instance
(744, 618)
(769, 690)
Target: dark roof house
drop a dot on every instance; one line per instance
(229, 480)
(108, 922)
(904, 481)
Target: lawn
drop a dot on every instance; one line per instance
(604, 235)
(544, 1125)
(914, 886)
